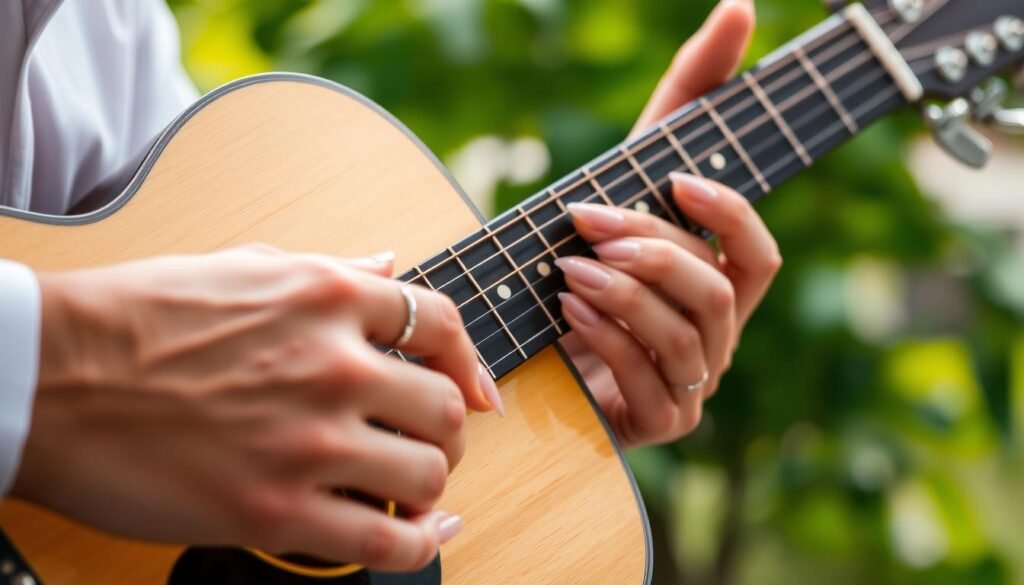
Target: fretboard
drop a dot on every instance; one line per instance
(751, 134)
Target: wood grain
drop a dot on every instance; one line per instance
(305, 167)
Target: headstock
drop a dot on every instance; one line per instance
(954, 47)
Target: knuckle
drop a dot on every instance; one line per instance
(347, 368)
(428, 549)
(455, 410)
(433, 477)
(661, 258)
(773, 261)
(684, 342)
(659, 424)
(691, 420)
(736, 217)
(260, 514)
(646, 224)
(381, 542)
(450, 321)
(322, 444)
(631, 356)
(632, 295)
(722, 296)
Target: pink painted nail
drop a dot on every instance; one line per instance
(490, 390)
(587, 274)
(618, 250)
(696, 187)
(383, 257)
(448, 525)
(579, 309)
(600, 217)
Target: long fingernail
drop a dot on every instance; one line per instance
(579, 309)
(448, 525)
(490, 390)
(695, 187)
(383, 257)
(587, 274)
(600, 217)
(618, 250)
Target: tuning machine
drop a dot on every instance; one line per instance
(987, 105)
(952, 130)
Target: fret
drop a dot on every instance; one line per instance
(422, 280)
(710, 109)
(766, 102)
(482, 291)
(826, 90)
(806, 110)
(683, 155)
(444, 274)
(598, 188)
(856, 84)
(713, 155)
(654, 190)
(522, 242)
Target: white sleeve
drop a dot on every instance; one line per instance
(19, 363)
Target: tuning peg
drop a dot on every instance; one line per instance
(988, 107)
(956, 136)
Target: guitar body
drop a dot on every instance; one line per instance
(306, 165)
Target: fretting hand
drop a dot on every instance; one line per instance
(657, 318)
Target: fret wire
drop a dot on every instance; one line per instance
(779, 121)
(423, 275)
(742, 152)
(650, 185)
(826, 89)
(796, 98)
(597, 186)
(534, 228)
(835, 127)
(846, 68)
(685, 156)
(483, 293)
(526, 281)
(839, 31)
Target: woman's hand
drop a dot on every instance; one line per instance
(656, 320)
(220, 399)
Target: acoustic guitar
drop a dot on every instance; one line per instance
(305, 164)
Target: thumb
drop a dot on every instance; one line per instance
(706, 61)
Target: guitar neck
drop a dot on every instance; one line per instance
(751, 135)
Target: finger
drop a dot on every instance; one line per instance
(674, 340)
(751, 254)
(391, 467)
(704, 292)
(438, 336)
(704, 62)
(645, 410)
(420, 403)
(381, 263)
(600, 223)
(347, 531)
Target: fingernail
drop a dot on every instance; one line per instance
(490, 390)
(695, 187)
(618, 250)
(448, 525)
(600, 217)
(383, 257)
(587, 274)
(579, 309)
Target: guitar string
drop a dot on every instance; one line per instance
(699, 158)
(929, 10)
(827, 133)
(839, 31)
(751, 183)
(550, 250)
(597, 195)
(836, 126)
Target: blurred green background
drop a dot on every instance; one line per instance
(872, 427)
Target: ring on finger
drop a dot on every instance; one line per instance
(410, 323)
(698, 385)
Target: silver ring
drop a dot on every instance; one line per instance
(699, 384)
(410, 324)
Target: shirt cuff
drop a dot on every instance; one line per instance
(19, 363)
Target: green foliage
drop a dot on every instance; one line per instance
(871, 428)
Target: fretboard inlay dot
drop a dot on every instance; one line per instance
(504, 292)
(543, 268)
(717, 161)
(642, 207)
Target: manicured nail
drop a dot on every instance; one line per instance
(618, 250)
(383, 257)
(490, 390)
(695, 187)
(448, 525)
(587, 274)
(600, 217)
(579, 309)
